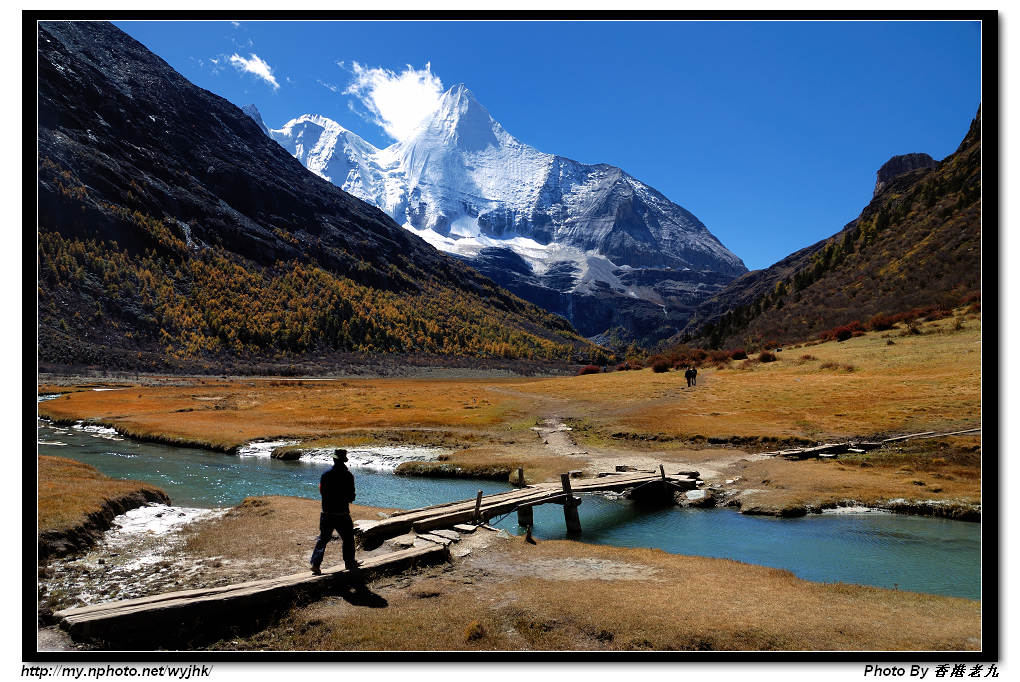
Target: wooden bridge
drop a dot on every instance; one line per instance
(523, 502)
(191, 617)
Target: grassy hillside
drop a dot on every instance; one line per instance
(917, 245)
(100, 303)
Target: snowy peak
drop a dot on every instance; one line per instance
(308, 129)
(324, 146)
(254, 114)
(461, 121)
(468, 187)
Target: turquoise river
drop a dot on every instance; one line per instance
(898, 551)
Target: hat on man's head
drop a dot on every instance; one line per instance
(339, 455)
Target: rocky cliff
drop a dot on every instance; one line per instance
(898, 165)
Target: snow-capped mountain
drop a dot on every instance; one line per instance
(549, 228)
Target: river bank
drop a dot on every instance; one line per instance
(499, 592)
(77, 504)
(212, 480)
(604, 521)
(931, 477)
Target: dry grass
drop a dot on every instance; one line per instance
(69, 491)
(572, 596)
(925, 382)
(224, 415)
(495, 463)
(947, 470)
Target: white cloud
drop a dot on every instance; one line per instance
(397, 102)
(255, 66)
(236, 23)
(328, 86)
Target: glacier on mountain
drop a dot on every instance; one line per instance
(466, 186)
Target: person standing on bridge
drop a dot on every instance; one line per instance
(337, 489)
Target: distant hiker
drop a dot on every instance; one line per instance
(694, 375)
(337, 489)
(689, 375)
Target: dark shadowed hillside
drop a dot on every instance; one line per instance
(916, 245)
(173, 231)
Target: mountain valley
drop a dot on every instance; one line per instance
(591, 243)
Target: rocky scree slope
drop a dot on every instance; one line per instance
(171, 227)
(589, 242)
(916, 244)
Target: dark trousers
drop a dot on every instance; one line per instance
(342, 523)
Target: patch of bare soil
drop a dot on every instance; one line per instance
(573, 568)
(54, 639)
(555, 436)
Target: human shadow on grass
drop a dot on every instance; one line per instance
(357, 593)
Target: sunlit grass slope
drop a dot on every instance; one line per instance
(865, 385)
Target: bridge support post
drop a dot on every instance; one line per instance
(525, 516)
(517, 478)
(477, 517)
(570, 505)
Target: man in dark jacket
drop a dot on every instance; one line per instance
(337, 489)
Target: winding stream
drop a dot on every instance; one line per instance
(921, 554)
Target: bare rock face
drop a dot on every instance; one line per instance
(898, 165)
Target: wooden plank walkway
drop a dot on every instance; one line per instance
(833, 449)
(190, 616)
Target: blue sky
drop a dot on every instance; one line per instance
(769, 132)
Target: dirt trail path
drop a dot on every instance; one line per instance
(711, 464)
(556, 437)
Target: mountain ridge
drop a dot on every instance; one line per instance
(466, 185)
(917, 244)
(171, 227)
